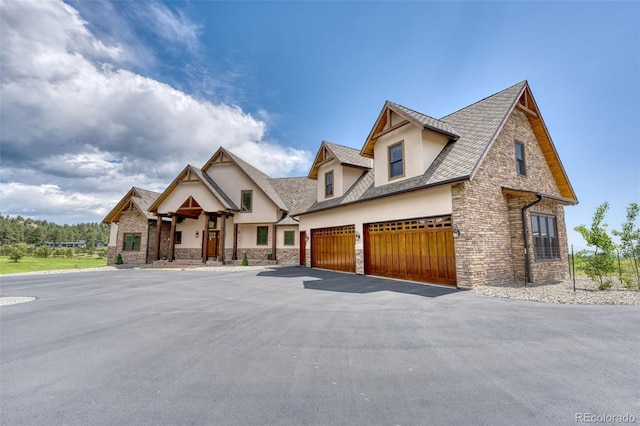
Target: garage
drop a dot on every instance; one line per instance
(334, 248)
(414, 249)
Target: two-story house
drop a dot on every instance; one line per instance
(471, 198)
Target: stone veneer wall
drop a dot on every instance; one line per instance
(287, 256)
(164, 243)
(133, 222)
(360, 261)
(254, 253)
(111, 255)
(490, 248)
(188, 253)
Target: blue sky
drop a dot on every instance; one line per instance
(101, 96)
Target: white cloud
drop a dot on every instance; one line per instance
(74, 117)
(61, 205)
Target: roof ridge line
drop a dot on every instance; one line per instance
(481, 100)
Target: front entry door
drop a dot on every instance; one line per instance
(212, 247)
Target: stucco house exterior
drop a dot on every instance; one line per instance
(471, 198)
(216, 213)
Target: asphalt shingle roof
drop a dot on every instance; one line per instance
(475, 126)
(427, 121)
(299, 193)
(349, 156)
(145, 200)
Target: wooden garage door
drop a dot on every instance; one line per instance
(416, 249)
(334, 248)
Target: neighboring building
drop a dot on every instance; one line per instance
(475, 197)
(66, 244)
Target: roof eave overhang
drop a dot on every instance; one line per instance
(525, 192)
(115, 212)
(404, 191)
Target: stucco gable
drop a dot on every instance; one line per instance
(261, 179)
(192, 174)
(384, 124)
(344, 155)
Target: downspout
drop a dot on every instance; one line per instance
(527, 261)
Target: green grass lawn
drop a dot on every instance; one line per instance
(30, 264)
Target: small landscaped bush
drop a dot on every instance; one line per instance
(245, 261)
(16, 254)
(119, 259)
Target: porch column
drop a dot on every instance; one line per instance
(158, 236)
(274, 228)
(205, 238)
(223, 229)
(172, 238)
(234, 256)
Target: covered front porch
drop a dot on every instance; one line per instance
(197, 236)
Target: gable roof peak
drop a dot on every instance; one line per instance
(384, 125)
(345, 155)
(519, 86)
(261, 179)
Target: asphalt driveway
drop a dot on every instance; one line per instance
(294, 346)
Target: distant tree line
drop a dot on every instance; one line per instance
(20, 230)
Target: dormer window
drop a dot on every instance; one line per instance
(520, 163)
(396, 160)
(328, 184)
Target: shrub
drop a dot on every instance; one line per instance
(119, 259)
(629, 283)
(605, 285)
(245, 261)
(68, 253)
(44, 251)
(16, 254)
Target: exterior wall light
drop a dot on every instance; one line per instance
(306, 238)
(357, 236)
(456, 231)
(197, 234)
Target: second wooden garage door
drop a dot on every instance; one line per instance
(416, 249)
(334, 248)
